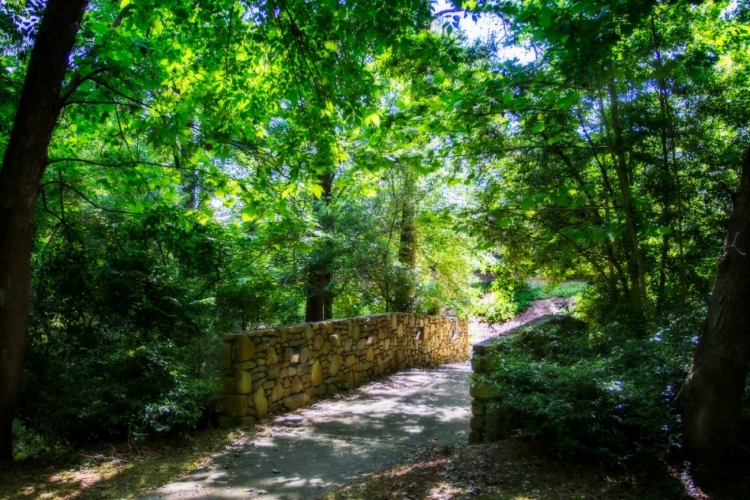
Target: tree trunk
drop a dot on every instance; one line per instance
(319, 303)
(635, 262)
(715, 385)
(22, 169)
(407, 246)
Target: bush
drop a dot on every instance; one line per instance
(598, 394)
(124, 392)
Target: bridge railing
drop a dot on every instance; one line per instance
(284, 368)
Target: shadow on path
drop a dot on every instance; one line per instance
(303, 454)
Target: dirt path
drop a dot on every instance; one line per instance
(479, 331)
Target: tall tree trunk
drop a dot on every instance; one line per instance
(22, 169)
(319, 303)
(635, 262)
(715, 386)
(668, 142)
(407, 245)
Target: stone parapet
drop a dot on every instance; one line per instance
(284, 368)
(488, 422)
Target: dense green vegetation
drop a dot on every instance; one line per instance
(175, 170)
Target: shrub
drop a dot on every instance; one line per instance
(120, 392)
(599, 393)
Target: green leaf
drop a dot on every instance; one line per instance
(373, 118)
(316, 189)
(248, 214)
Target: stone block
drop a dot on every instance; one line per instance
(370, 356)
(296, 401)
(348, 345)
(273, 371)
(226, 355)
(234, 405)
(246, 365)
(333, 368)
(316, 374)
(243, 382)
(308, 332)
(497, 425)
(475, 437)
(296, 385)
(260, 403)
(481, 389)
(244, 349)
(318, 342)
(304, 355)
(335, 340)
(351, 360)
(476, 423)
(271, 357)
(277, 392)
(247, 421)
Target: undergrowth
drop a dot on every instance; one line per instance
(602, 393)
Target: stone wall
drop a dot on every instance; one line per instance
(270, 371)
(488, 423)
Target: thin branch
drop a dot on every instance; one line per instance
(77, 81)
(87, 199)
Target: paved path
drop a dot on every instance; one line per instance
(303, 454)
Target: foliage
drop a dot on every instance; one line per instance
(505, 296)
(595, 393)
(538, 290)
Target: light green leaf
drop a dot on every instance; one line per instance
(317, 190)
(373, 118)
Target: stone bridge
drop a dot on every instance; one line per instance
(282, 369)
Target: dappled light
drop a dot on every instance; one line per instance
(296, 218)
(336, 440)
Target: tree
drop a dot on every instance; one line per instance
(715, 385)
(23, 166)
